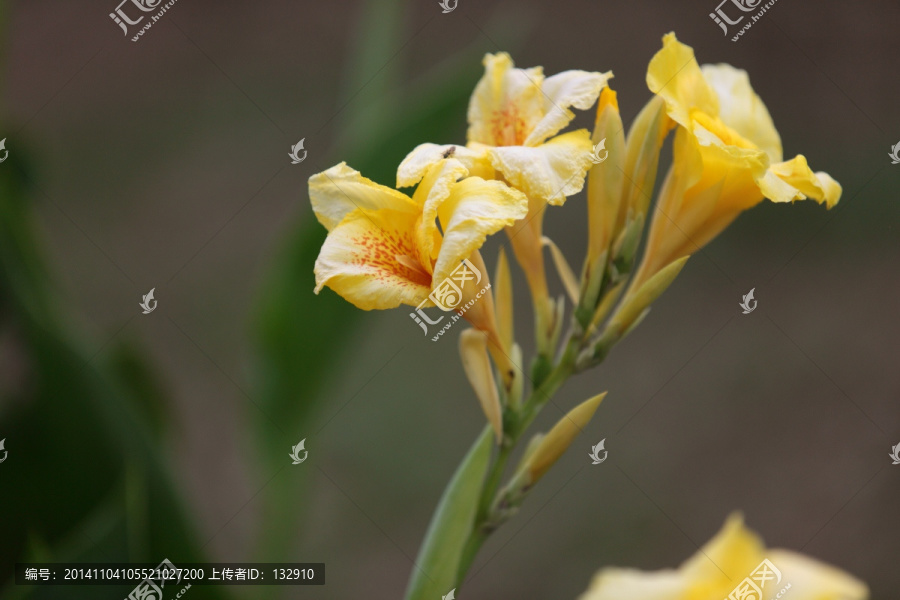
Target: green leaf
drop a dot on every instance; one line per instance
(438, 560)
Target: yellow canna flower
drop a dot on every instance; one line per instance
(727, 156)
(514, 117)
(385, 249)
(736, 559)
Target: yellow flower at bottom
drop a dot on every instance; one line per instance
(385, 249)
(727, 156)
(725, 564)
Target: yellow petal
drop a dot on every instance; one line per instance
(370, 260)
(504, 293)
(474, 210)
(734, 552)
(707, 187)
(741, 109)
(818, 186)
(549, 172)
(570, 282)
(712, 132)
(416, 164)
(675, 75)
(734, 169)
(477, 301)
(507, 102)
(340, 190)
(477, 365)
(578, 89)
(812, 580)
(719, 568)
(432, 192)
(436, 183)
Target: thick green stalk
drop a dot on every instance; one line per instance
(437, 563)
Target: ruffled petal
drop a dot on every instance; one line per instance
(796, 173)
(733, 553)
(813, 580)
(549, 172)
(416, 164)
(507, 102)
(675, 75)
(370, 260)
(341, 189)
(475, 209)
(741, 109)
(433, 190)
(579, 89)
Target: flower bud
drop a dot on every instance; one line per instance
(477, 365)
(557, 441)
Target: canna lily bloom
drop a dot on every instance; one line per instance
(727, 156)
(385, 249)
(514, 117)
(734, 564)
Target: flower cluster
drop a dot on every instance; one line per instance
(386, 248)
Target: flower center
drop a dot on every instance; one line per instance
(412, 264)
(508, 127)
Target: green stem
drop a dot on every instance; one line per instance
(540, 396)
(493, 479)
(473, 545)
(482, 528)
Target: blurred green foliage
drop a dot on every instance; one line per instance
(95, 485)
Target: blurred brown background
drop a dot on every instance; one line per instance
(163, 164)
